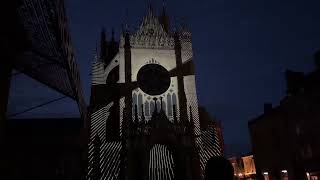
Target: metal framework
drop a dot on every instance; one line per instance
(48, 55)
(36, 42)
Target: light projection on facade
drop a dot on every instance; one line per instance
(144, 109)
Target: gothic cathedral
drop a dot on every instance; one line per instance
(145, 121)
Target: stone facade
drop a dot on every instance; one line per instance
(136, 134)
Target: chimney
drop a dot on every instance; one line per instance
(267, 108)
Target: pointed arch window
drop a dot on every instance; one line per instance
(164, 106)
(151, 107)
(169, 103)
(134, 101)
(139, 104)
(174, 99)
(158, 106)
(147, 108)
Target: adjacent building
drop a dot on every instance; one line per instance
(285, 138)
(244, 167)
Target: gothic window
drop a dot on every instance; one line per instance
(169, 102)
(151, 107)
(147, 108)
(139, 104)
(174, 99)
(134, 101)
(158, 105)
(164, 106)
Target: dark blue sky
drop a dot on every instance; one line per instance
(242, 48)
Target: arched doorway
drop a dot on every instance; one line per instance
(161, 163)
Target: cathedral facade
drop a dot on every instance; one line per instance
(144, 110)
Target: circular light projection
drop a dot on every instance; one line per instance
(153, 79)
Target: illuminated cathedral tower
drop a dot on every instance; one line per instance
(144, 110)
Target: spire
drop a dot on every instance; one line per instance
(125, 23)
(125, 27)
(103, 45)
(112, 48)
(163, 3)
(150, 12)
(163, 18)
(150, 8)
(127, 40)
(164, 10)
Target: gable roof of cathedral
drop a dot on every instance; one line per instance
(151, 33)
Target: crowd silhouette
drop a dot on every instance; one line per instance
(218, 168)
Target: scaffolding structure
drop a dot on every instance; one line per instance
(36, 42)
(43, 49)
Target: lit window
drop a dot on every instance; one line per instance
(284, 171)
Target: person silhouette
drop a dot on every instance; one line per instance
(218, 168)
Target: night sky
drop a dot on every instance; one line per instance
(241, 48)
